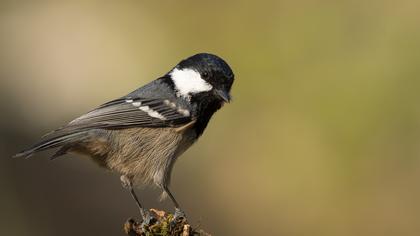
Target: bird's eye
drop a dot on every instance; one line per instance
(205, 75)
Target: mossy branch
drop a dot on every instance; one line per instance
(164, 226)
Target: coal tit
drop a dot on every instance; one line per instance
(141, 135)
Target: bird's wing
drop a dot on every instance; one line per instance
(121, 113)
(129, 112)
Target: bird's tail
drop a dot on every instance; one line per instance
(55, 139)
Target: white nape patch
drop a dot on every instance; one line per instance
(151, 112)
(188, 81)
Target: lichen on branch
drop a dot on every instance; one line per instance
(165, 225)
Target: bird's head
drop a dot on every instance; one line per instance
(203, 75)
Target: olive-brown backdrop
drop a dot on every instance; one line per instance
(322, 138)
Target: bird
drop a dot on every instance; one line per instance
(141, 135)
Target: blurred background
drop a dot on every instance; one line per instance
(322, 137)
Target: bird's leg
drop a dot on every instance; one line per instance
(126, 183)
(178, 212)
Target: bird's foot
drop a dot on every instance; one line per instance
(148, 220)
(166, 224)
(179, 216)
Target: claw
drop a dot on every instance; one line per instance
(179, 216)
(148, 219)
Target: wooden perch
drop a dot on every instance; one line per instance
(162, 227)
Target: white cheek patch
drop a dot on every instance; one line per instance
(188, 81)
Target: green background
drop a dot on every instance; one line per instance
(322, 137)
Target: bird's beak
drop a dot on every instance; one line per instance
(225, 96)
